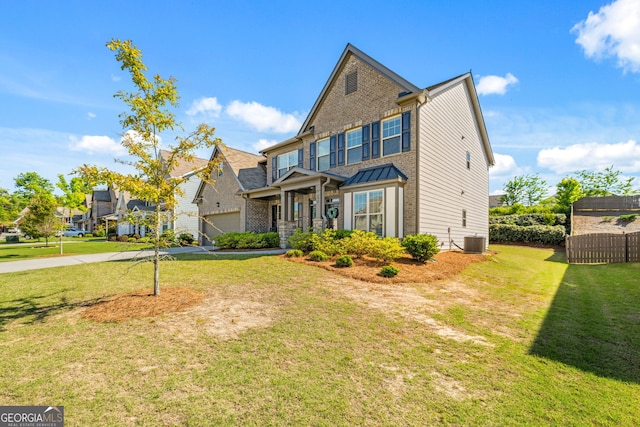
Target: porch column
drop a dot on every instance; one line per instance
(286, 226)
(319, 223)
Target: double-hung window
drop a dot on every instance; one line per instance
(391, 135)
(354, 146)
(287, 161)
(368, 208)
(324, 150)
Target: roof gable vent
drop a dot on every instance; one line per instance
(351, 83)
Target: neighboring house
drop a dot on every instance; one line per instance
(185, 215)
(496, 201)
(126, 209)
(376, 153)
(103, 207)
(221, 207)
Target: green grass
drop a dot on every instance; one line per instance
(559, 346)
(71, 246)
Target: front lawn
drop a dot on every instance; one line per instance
(70, 246)
(520, 339)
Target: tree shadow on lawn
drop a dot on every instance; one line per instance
(593, 323)
(36, 309)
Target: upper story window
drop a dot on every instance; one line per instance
(220, 169)
(351, 83)
(391, 135)
(287, 161)
(354, 146)
(323, 156)
(468, 160)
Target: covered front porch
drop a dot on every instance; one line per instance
(301, 199)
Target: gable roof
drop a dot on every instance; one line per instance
(352, 50)
(386, 172)
(184, 168)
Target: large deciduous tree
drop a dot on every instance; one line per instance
(28, 185)
(606, 183)
(525, 189)
(147, 118)
(568, 191)
(40, 220)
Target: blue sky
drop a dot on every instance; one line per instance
(558, 82)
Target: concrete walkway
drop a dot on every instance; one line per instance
(38, 263)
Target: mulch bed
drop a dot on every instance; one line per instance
(142, 303)
(446, 264)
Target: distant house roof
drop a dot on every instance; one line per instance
(246, 166)
(102, 195)
(184, 168)
(384, 172)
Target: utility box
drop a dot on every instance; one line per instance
(474, 244)
(12, 239)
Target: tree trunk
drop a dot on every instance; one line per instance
(156, 255)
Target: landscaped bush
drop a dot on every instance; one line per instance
(518, 209)
(328, 242)
(421, 247)
(386, 249)
(143, 240)
(122, 238)
(545, 234)
(359, 243)
(302, 240)
(344, 261)
(132, 240)
(294, 253)
(185, 239)
(88, 235)
(136, 236)
(628, 218)
(247, 240)
(342, 233)
(168, 236)
(389, 271)
(318, 256)
(529, 219)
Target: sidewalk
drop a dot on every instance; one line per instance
(63, 261)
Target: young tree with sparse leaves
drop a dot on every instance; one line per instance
(606, 183)
(40, 220)
(147, 118)
(527, 190)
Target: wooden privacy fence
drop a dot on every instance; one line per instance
(603, 248)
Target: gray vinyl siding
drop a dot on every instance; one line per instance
(446, 186)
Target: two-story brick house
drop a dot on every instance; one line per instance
(380, 154)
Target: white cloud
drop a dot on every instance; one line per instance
(91, 115)
(505, 166)
(206, 106)
(263, 118)
(624, 156)
(264, 143)
(497, 85)
(115, 78)
(612, 32)
(96, 145)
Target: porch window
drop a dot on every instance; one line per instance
(324, 151)
(354, 146)
(391, 135)
(368, 211)
(287, 161)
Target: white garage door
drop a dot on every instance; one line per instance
(215, 225)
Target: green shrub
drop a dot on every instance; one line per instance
(342, 233)
(421, 247)
(144, 240)
(547, 218)
(185, 239)
(359, 243)
(328, 242)
(168, 235)
(302, 240)
(294, 253)
(136, 236)
(607, 218)
(386, 249)
(271, 239)
(88, 235)
(344, 261)
(389, 271)
(318, 256)
(628, 218)
(247, 240)
(545, 234)
(132, 240)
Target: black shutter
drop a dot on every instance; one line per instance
(375, 140)
(406, 131)
(332, 151)
(365, 141)
(341, 149)
(274, 168)
(312, 156)
(301, 158)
